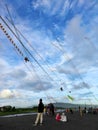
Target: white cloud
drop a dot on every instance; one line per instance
(81, 2)
(65, 8)
(39, 3)
(51, 8)
(7, 93)
(74, 28)
(55, 7)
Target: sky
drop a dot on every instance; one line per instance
(60, 40)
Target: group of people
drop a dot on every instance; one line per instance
(49, 109)
(39, 118)
(61, 117)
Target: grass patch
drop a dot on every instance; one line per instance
(18, 111)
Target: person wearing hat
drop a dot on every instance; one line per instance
(39, 118)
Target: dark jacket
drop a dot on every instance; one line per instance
(40, 107)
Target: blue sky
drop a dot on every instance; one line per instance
(61, 43)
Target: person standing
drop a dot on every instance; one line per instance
(52, 109)
(39, 118)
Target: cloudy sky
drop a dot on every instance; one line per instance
(60, 40)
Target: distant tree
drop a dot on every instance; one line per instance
(13, 108)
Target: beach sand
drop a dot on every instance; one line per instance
(75, 122)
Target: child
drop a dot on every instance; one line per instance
(58, 117)
(63, 117)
